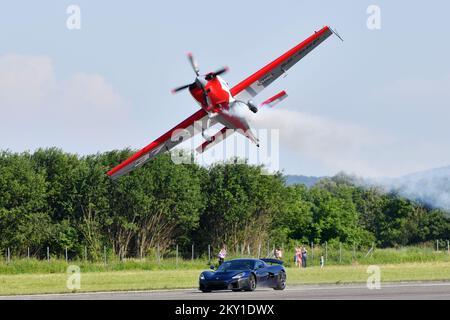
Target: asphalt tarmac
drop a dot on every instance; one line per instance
(391, 291)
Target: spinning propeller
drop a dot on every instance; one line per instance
(200, 80)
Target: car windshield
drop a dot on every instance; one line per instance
(236, 265)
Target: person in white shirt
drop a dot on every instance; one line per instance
(222, 255)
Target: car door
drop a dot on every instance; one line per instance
(262, 274)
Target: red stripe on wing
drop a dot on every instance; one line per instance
(205, 144)
(183, 125)
(274, 98)
(259, 74)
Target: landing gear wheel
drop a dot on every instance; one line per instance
(281, 281)
(251, 283)
(253, 109)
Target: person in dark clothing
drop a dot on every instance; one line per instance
(304, 257)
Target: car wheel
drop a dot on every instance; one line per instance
(281, 281)
(237, 290)
(251, 283)
(205, 291)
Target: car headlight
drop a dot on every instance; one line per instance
(239, 275)
(202, 277)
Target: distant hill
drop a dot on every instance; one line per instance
(299, 179)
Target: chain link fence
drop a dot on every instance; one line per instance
(322, 254)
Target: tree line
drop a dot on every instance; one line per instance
(52, 198)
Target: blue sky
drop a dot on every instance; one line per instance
(376, 104)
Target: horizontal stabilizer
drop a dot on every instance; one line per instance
(271, 102)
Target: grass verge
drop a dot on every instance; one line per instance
(12, 284)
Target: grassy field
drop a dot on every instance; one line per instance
(34, 283)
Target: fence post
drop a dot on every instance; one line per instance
(158, 254)
(192, 252)
(326, 250)
(104, 255)
(67, 258)
(354, 251)
(28, 253)
(8, 255)
(437, 245)
(370, 250)
(176, 255)
(209, 254)
(340, 252)
(448, 247)
(48, 254)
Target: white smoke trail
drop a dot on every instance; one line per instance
(337, 146)
(431, 187)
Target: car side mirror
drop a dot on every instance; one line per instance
(211, 267)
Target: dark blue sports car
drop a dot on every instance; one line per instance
(244, 274)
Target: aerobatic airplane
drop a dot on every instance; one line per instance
(218, 103)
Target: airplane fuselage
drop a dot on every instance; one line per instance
(221, 105)
(218, 95)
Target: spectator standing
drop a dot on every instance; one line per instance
(222, 255)
(298, 254)
(278, 253)
(304, 254)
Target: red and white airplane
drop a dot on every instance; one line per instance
(218, 103)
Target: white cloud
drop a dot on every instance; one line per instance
(82, 113)
(25, 81)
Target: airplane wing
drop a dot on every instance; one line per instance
(181, 132)
(250, 87)
(216, 139)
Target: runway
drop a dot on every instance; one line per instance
(391, 291)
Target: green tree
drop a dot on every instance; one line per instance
(23, 221)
